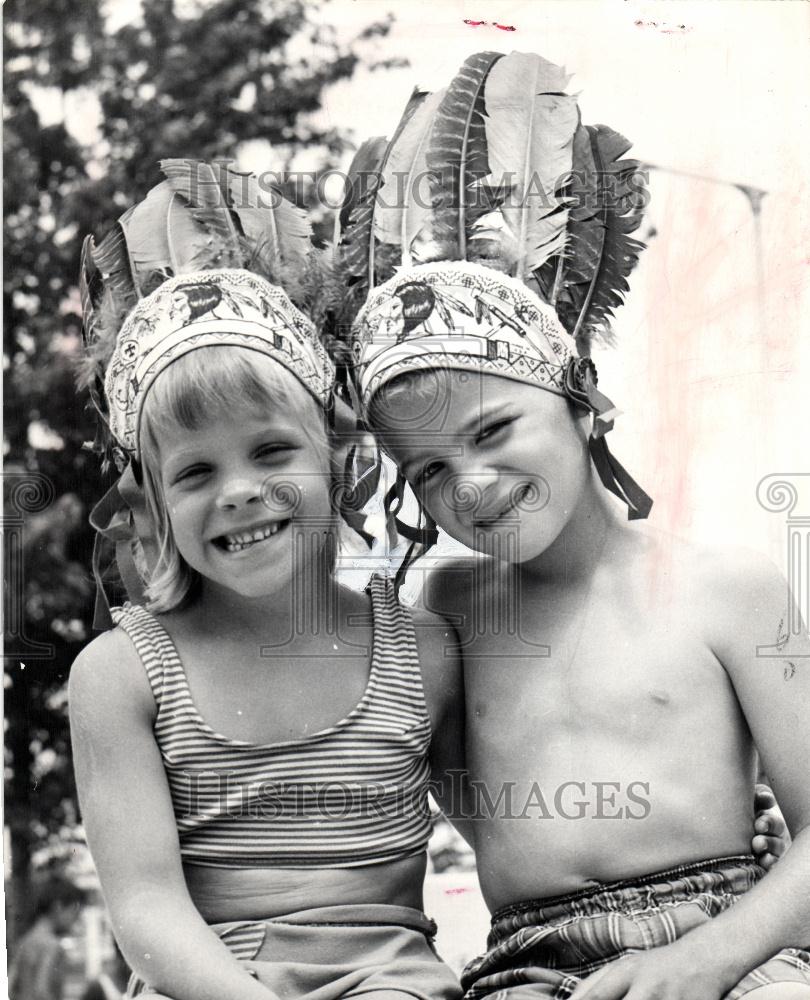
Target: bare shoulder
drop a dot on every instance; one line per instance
(740, 595)
(451, 584)
(717, 573)
(735, 575)
(108, 676)
(437, 646)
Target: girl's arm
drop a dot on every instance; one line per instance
(131, 832)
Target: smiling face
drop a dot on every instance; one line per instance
(237, 468)
(500, 465)
(239, 491)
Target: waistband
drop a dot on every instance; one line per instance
(345, 915)
(734, 874)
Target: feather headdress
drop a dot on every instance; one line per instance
(499, 170)
(496, 172)
(203, 216)
(210, 256)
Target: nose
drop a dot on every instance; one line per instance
(470, 487)
(237, 491)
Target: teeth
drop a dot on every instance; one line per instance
(241, 540)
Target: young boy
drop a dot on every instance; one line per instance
(615, 701)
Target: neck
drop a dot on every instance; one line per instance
(304, 606)
(595, 525)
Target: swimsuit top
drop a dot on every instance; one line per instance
(353, 794)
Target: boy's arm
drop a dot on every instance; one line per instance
(131, 831)
(749, 606)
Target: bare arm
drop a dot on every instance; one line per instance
(746, 602)
(774, 694)
(131, 831)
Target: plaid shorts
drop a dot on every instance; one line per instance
(546, 947)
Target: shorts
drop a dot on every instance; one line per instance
(549, 946)
(375, 951)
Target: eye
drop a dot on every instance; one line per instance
(190, 473)
(492, 429)
(428, 472)
(274, 449)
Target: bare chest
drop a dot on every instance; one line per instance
(596, 663)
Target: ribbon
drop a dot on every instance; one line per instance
(580, 386)
(114, 567)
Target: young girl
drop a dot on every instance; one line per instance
(253, 746)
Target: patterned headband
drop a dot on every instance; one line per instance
(455, 314)
(203, 309)
(459, 315)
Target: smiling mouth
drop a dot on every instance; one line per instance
(241, 540)
(491, 521)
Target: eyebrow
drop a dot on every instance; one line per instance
(495, 410)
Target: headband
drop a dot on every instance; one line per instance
(204, 309)
(465, 316)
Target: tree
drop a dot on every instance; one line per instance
(177, 83)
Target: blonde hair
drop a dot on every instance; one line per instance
(188, 395)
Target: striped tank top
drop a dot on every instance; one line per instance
(353, 794)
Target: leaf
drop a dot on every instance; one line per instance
(457, 156)
(530, 127)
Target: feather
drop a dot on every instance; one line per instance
(530, 125)
(187, 242)
(403, 212)
(357, 231)
(112, 260)
(601, 253)
(366, 260)
(457, 157)
(146, 234)
(90, 288)
(201, 186)
(362, 172)
(277, 232)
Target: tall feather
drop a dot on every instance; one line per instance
(277, 232)
(403, 215)
(362, 172)
(112, 260)
(369, 254)
(530, 125)
(203, 187)
(457, 157)
(357, 214)
(608, 200)
(90, 288)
